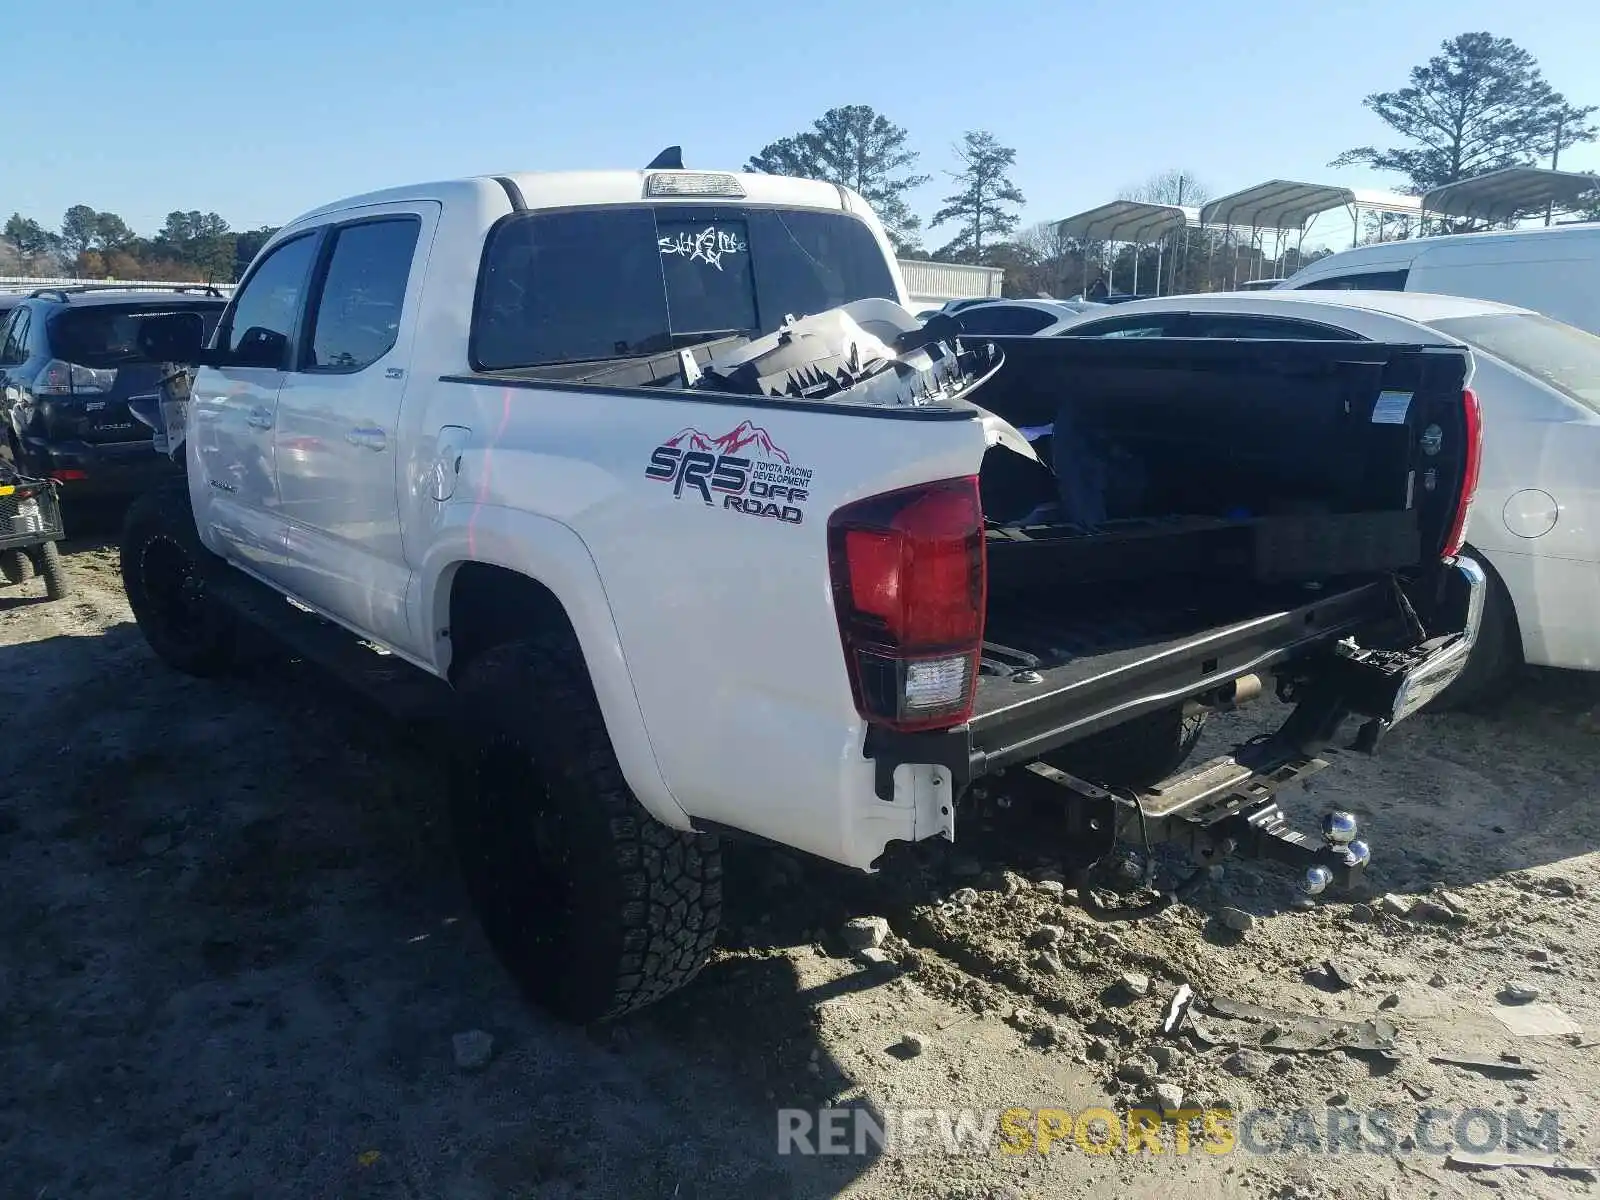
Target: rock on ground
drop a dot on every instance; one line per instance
(865, 933)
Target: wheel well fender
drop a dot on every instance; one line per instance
(1497, 583)
(511, 575)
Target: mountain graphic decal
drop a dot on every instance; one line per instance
(750, 440)
(690, 439)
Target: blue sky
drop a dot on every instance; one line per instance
(150, 105)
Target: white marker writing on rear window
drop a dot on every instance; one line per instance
(707, 246)
(1391, 408)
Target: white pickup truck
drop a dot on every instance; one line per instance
(650, 476)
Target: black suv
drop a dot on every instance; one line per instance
(69, 364)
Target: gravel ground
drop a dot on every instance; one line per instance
(237, 961)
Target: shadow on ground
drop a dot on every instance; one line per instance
(236, 951)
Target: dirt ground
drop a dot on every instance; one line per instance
(235, 955)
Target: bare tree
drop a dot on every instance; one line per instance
(1169, 187)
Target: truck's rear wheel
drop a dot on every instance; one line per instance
(595, 907)
(1135, 754)
(165, 571)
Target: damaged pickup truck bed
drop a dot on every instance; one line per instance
(1286, 512)
(680, 564)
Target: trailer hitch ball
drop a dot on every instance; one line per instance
(1357, 854)
(1339, 828)
(1316, 881)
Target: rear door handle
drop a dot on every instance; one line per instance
(368, 437)
(259, 418)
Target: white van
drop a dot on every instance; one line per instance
(1553, 269)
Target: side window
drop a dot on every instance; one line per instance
(1144, 325)
(355, 320)
(258, 329)
(1366, 281)
(1228, 325)
(1003, 319)
(14, 339)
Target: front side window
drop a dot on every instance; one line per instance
(267, 304)
(1243, 325)
(357, 315)
(1367, 281)
(1143, 326)
(14, 342)
(625, 282)
(1003, 319)
(1561, 356)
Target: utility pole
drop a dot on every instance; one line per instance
(1172, 259)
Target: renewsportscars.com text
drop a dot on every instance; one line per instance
(1213, 1131)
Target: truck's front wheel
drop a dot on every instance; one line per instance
(594, 906)
(165, 571)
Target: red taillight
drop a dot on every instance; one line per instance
(908, 588)
(67, 476)
(1472, 414)
(59, 378)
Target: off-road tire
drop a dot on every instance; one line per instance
(166, 571)
(1135, 754)
(15, 566)
(1495, 657)
(47, 561)
(595, 907)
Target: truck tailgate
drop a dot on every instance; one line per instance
(1046, 682)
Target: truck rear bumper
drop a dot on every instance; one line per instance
(1226, 805)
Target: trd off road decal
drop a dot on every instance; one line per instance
(743, 467)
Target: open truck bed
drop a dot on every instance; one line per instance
(1297, 519)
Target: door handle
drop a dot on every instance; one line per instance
(259, 418)
(368, 437)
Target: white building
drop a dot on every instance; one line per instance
(932, 284)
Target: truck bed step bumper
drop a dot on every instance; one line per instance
(1224, 807)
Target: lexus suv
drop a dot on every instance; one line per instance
(69, 364)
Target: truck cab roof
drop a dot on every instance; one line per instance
(567, 189)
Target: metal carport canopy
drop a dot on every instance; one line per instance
(1510, 192)
(1287, 204)
(1128, 221)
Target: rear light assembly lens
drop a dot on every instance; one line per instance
(908, 573)
(69, 379)
(1472, 413)
(692, 183)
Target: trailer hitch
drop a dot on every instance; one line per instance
(1223, 808)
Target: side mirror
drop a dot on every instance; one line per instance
(260, 347)
(173, 337)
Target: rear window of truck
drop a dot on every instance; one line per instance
(107, 335)
(586, 285)
(1561, 356)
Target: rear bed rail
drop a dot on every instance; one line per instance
(1025, 710)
